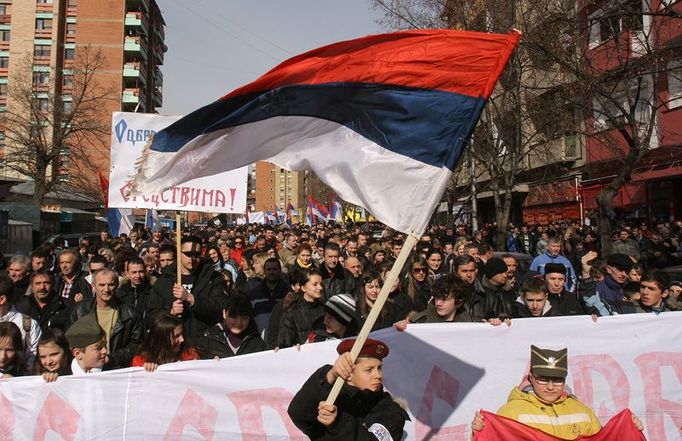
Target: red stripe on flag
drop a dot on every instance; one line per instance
(463, 62)
(499, 428)
(104, 185)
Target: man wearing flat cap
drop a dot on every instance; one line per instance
(606, 297)
(546, 403)
(563, 302)
(363, 410)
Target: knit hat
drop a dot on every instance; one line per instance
(371, 348)
(84, 332)
(558, 268)
(342, 307)
(620, 261)
(494, 266)
(548, 363)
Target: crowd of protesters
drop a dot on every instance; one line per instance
(116, 303)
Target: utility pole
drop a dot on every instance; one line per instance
(474, 202)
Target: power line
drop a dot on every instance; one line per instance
(247, 30)
(222, 29)
(217, 66)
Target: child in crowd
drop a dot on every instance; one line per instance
(54, 357)
(88, 344)
(11, 351)
(165, 343)
(236, 335)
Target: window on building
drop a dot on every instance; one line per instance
(4, 63)
(674, 83)
(68, 80)
(71, 29)
(4, 35)
(68, 106)
(40, 104)
(615, 18)
(3, 89)
(44, 1)
(41, 50)
(41, 77)
(639, 94)
(43, 23)
(72, 3)
(69, 54)
(5, 9)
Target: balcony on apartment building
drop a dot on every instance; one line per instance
(159, 53)
(137, 5)
(135, 44)
(158, 77)
(134, 70)
(160, 33)
(132, 95)
(157, 97)
(136, 20)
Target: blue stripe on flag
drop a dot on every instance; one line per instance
(428, 125)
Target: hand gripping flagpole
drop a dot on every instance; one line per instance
(391, 278)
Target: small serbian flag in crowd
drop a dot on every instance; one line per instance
(382, 120)
(499, 428)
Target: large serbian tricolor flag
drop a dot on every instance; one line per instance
(499, 428)
(381, 119)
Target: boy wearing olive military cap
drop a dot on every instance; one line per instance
(88, 345)
(546, 403)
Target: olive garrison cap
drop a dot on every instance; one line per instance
(548, 363)
(84, 332)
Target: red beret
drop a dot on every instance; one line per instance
(371, 348)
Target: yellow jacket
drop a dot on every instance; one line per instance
(566, 418)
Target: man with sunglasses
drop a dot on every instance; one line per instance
(546, 403)
(200, 299)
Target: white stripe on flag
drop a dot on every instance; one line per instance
(396, 189)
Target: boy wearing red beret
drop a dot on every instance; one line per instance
(363, 410)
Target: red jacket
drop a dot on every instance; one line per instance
(189, 354)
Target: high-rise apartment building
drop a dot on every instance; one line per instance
(276, 187)
(50, 35)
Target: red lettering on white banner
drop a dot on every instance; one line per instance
(196, 412)
(582, 368)
(249, 405)
(657, 407)
(7, 419)
(57, 416)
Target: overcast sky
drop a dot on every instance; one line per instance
(215, 46)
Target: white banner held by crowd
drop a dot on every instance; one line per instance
(445, 372)
(221, 193)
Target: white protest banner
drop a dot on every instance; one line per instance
(445, 372)
(221, 193)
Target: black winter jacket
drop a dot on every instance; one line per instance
(297, 322)
(210, 297)
(338, 282)
(126, 336)
(54, 315)
(79, 285)
(214, 343)
(487, 303)
(362, 415)
(138, 297)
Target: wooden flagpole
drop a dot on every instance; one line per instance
(391, 278)
(178, 247)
